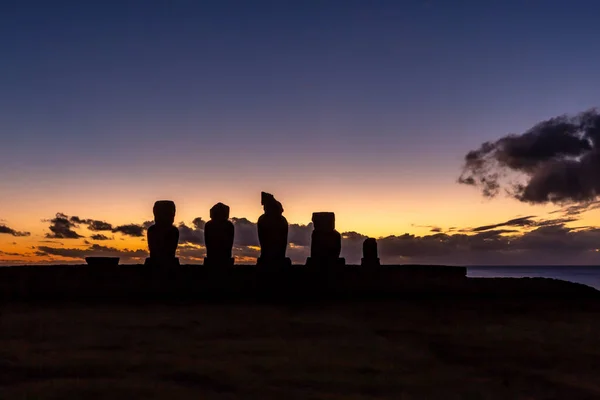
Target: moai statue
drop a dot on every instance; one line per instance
(218, 237)
(326, 242)
(163, 236)
(272, 233)
(370, 253)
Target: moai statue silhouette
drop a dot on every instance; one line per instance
(326, 242)
(163, 236)
(218, 237)
(370, 257)
(272, 233)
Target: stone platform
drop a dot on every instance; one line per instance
(239, 281)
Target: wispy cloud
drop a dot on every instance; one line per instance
(10, 231)
(99, 237)
(521, 221)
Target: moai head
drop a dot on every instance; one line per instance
(164, 212)
(219, 212)
(271, 206)
(370, 248)
(323, 221)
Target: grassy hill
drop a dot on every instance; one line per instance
(474, 347)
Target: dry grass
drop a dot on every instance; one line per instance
(393, 350)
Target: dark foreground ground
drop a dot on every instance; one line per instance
(486, 348)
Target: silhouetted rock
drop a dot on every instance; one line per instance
(163, 236)
(370, 257)
(218, 237)
(326, 242)
(272, 233)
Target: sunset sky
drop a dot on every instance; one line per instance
(363, 108)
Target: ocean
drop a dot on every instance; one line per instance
(588, 275)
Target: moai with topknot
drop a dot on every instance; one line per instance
(272, 233)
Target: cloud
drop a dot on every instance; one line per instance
(521, 221)
(13, 261)
(76, 220)
(522, 240)
(193, 234)
(546, 244)
(557, 221)
(147, 224)
(4, 253)
(51, 241)
(557, 161)
(92, 224)
(62, 228)
(98, 226)
(130, 230)
(352, 246)
(191, 253)
(62, 252)
(198, 223)
(9, 231)
(299, 235)
(246, 233)
(99, 237)
(246, 254)
(432, 228)
(578, 209)
(93, 250)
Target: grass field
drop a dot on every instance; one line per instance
(393, 350)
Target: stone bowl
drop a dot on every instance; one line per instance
(102, 261)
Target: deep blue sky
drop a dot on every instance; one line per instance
(391, 93)
(268, 73)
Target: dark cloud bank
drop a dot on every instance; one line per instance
(94, 249)
(523, 240)
(63, 227)
(557, 161)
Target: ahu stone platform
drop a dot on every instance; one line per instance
(131, 282)
(244, 283)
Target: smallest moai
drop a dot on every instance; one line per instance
(163, 236)
(370, 258)
(218, 237)
(326, 242)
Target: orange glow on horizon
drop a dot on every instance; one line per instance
(376, 213)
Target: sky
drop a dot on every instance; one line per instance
(363, 108)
